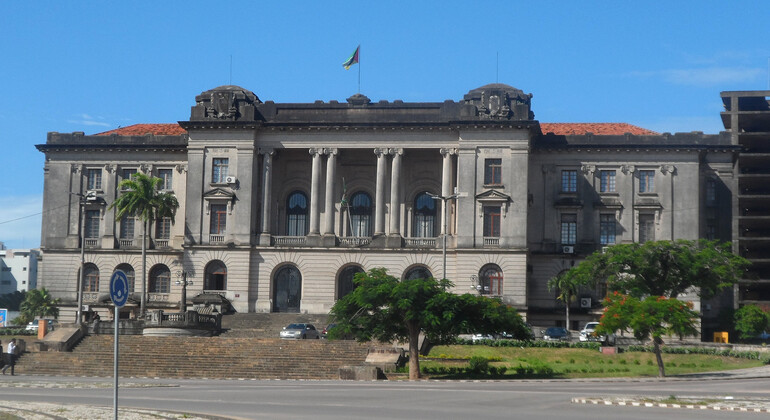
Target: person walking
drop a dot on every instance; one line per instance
(11, 356)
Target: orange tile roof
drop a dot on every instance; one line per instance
(142, 129)
(565, 129)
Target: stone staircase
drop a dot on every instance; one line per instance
(248, 349)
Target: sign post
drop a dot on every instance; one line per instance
(119, 295)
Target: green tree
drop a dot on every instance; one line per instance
(385, 309)
(651, 317)
(750, 320)
(663, 268)
(568, 287)
(140, 197)
(37, 303)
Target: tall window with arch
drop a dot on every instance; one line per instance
(90, 278)
(297, 214)
(216, 276)
(361, 214)
(424, 216)
(345, 280)
(491, 280)
(418, 272)
(160, 279)
(130, 275)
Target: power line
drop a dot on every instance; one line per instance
(33, 215)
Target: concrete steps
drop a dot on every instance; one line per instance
(199, 357)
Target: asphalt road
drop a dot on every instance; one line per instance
(439, 400)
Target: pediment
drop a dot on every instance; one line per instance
(493, 196)
(219, 193)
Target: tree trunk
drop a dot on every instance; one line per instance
(566, 305)
(143, 301)
(414, 352)
(656, 342)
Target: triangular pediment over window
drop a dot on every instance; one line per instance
(493, 196)
(219, 193)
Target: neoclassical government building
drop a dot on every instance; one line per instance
(281, 204)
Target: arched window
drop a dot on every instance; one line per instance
(90, 278)
(287, 289)
(160, 279)
(491, 280)
(424, 216)
(130, 275)
(345, 280)
(361, 214)
(296, 214)
(216, 276)
(418, 272)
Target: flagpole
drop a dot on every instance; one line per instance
(359, 69)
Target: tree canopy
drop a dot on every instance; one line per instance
(37, 303)
(750, 321)
(385, 309)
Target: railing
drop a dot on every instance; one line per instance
(353, 241)
(420, 242)
(158, 297)
(289, 240)
(126, 243)
(92, 242)
(187, 320)
(216, 239)
(491, 241)
(161, 243)
(90, 296)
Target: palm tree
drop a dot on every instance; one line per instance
(140, 198)
(567, 288)
(38, 303)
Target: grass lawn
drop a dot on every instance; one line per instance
(580, 363)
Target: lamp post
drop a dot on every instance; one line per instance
(444, 200)
(83, 199)
(182, 280)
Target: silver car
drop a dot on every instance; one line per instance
(299, 331)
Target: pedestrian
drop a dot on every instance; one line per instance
(11, 356)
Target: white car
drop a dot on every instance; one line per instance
(299, 331)
(479, 337)
(588, 333)
(33, 326)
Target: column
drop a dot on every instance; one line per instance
(267, 181)
(446, 183)
(315, 182)
(395, 193)
(379, 198)
(331, 174)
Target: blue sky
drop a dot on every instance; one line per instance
(94, 66)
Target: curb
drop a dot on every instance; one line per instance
(601, 401)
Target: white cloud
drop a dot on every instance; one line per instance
(704, 76)
(21, 221)
(86, 119)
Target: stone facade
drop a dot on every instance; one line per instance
(280, 204)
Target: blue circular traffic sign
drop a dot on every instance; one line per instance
(119, 288)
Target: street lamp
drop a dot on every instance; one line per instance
(476, 284)
(444, 201)
(89, 196)
(182, 280)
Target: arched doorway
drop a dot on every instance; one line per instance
(345, 280)
(216, 276)
(491, 280)
(287, 289)
(130, 275)
(418, 272)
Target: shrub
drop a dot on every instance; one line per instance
(478, 365)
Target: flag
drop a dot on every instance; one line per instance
(344, 200)
(352, 60)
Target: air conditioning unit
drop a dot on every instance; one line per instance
(585, 303)
(568, 249)
(230, 180)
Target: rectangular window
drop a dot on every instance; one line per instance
(127, 227)
(711, 192)
(127, 174)
(569, 181)
(493, 171)
(568, 229)
(711, 229)
(492, 221)
(92, 224)
(94, 179)
(219, 170)
(167, 177)
(163, 228)
(218, 219)
(607, 181)
(646, 181)
(607, 229)
(646, 228)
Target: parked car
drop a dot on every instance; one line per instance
(480, 337)
(34, 325)
(299, 331)
(556, 334)
(588, 333)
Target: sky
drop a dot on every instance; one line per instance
(93, 66)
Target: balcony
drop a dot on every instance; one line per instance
(289, 240)
(217, 239)
(491, 242)
(126, 243)
(160, 243)
(420, 242)
(92, 242)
